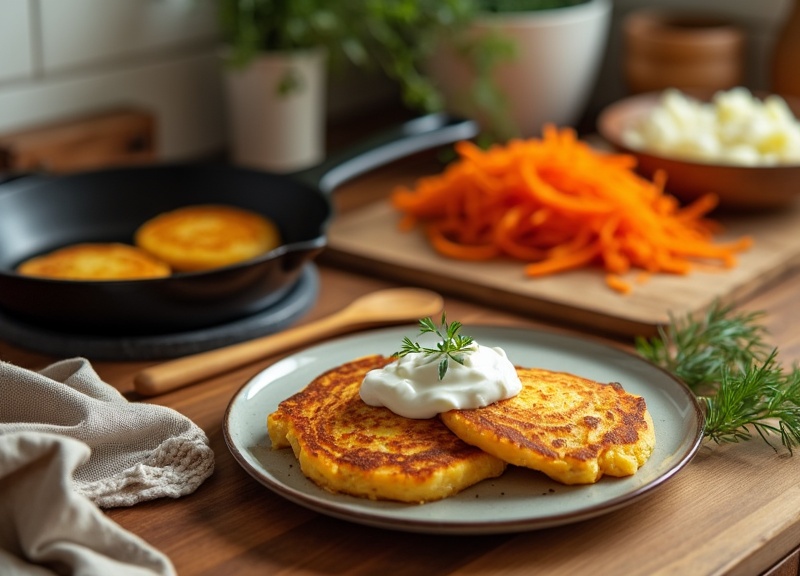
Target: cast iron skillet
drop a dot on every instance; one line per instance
(39, 214)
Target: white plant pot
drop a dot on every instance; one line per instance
(557, 57)
(276, 111)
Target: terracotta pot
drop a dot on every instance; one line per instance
(664, 49)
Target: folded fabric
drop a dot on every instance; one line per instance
(138, 451)
(47, 528)
(69, 443)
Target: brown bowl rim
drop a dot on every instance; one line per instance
(611, 130)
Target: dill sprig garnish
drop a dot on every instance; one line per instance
(726, 361)
(698, 351)
(453, 345)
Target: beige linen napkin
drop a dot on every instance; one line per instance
(67, 440)
(48, 528)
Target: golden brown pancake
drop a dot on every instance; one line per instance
(571, 428)
(347, 446)
(95, 261)
(207, 236)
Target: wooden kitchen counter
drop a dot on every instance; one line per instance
(735, 509)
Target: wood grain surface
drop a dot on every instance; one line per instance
(735, 509)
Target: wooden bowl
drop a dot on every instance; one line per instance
(739, 188)
(671, 48)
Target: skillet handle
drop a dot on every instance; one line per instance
(413, 136)
(7, 177)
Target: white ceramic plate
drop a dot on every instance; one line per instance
(521, 499)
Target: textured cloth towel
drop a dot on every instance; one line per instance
(47, 528)
(68, 440)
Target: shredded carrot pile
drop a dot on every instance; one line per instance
(557, 204)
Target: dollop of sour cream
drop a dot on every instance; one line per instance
(410, 386)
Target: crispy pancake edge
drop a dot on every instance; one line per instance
(95, 261)
(621, 451)
(443, 466)
(239, 235)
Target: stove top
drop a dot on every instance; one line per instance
(279, 316)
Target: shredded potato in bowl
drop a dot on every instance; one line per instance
(747, 188)
(734, 127)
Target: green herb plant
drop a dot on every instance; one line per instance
(725, 360)
(453, 346)
(396, 38)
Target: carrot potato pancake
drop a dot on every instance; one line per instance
(573, 429)
(95, 261)
(207, 236)
(347, 446)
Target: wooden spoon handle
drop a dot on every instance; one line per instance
(183, 371)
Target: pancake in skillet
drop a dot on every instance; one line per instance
(95, 261)
(207, 236)
(347, 446)
(573, 429)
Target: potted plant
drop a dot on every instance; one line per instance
(275, 82)
(278, 53)
(524, 63)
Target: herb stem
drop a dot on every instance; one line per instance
(725, 360)
(453, 345)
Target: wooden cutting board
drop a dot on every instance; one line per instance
(368, 239)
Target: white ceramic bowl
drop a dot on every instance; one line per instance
(557, 58)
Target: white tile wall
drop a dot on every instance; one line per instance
(60, 59)
(184, 93)
(85, 32)
(16, 58)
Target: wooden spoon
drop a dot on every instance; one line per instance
(394, 305)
